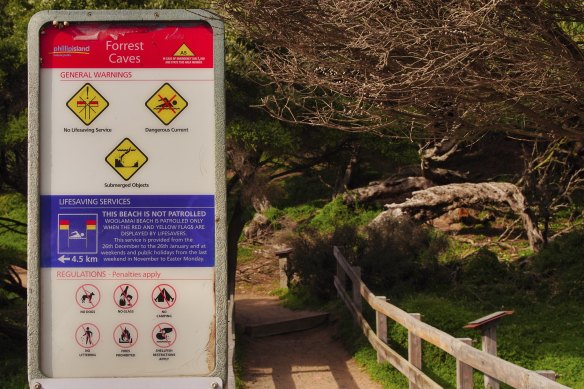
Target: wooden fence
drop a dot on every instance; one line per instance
(467, 357)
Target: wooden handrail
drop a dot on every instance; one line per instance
(500, 369)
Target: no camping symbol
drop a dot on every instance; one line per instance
(164, 296)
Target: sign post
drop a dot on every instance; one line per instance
(127, 253)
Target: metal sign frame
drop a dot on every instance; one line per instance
(37, 378)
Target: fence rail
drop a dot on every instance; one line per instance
(467, 357)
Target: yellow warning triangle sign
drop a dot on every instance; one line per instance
(184, 51)
(126, 159)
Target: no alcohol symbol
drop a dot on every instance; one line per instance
(125, 296)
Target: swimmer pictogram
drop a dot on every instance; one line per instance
(77, 234)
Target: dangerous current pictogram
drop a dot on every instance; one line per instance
(87, 335)
(164, 296)
(87, 104)
(166, 103)
(126, 159)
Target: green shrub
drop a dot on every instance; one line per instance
(560, 267)
(312, 263)
(401, 257)
(336, 214)
(394, 259)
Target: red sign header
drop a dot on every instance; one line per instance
(101, 45)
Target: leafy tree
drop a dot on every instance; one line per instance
(443, 74)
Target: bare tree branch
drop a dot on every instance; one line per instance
(421, 68)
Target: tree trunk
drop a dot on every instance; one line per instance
(391, 188)
(430, 203)
(346, 175)
(433, 161)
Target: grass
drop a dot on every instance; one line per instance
(545, 291)
(13, 367)
(538, 337)
(245, 253)
(13, 308)
(13, 206)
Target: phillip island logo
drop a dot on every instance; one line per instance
(68, 51)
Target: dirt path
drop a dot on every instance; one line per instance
(309, 359)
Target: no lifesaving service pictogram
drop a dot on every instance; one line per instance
(126, 159)
(166, 103)
(87, 104)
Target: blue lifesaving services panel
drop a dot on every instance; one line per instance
(128, 231)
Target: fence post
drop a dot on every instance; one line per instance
(415, 349)
(341, 276)
(357, 300)
(282, 265)
(381, 328)
(464, 371)
(488, 327)
(489, 340)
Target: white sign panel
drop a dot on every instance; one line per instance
(127, 200)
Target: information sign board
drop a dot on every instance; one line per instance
(127, 196)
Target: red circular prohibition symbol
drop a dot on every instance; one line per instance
(87, 296)
(125, 335)
(87, 335)
(164, 296)
(164, 335)
(126, 296)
